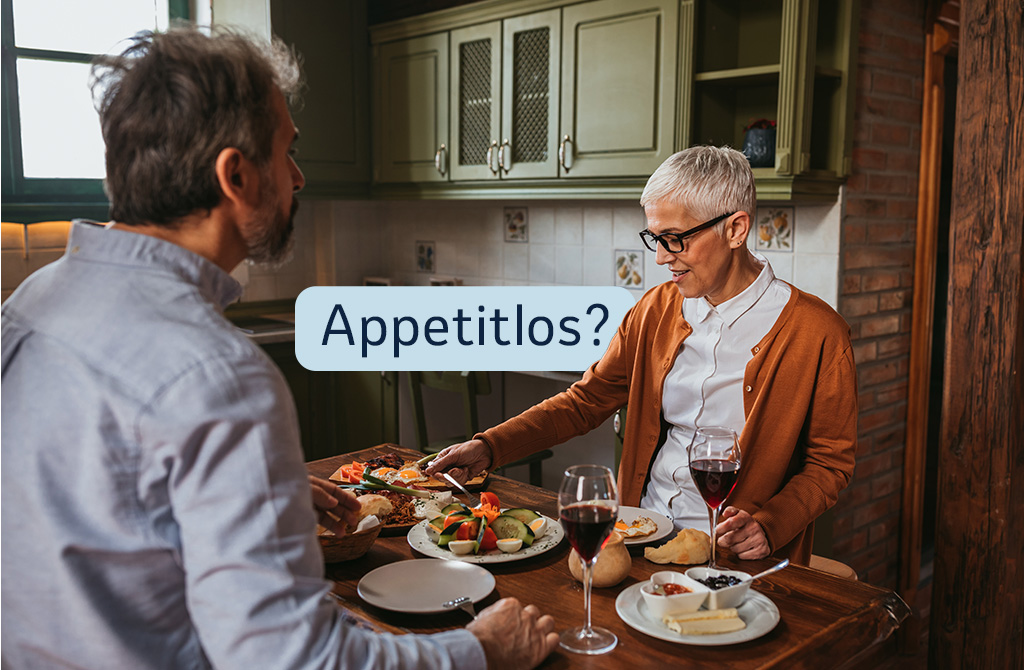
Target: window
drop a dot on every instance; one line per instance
(53, 151)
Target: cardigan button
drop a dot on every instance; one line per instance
(748, 389)
(757, 349)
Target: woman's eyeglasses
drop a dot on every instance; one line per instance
(674, 242)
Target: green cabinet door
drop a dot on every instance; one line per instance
(618, 84)
(411, 110)
(333, 119)
(475, 101)
(530, 85)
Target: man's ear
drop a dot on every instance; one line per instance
(737, 229)
(238, 178)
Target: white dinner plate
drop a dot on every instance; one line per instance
(422, 586)
(757, 611)
(419, 541)
(629, 514)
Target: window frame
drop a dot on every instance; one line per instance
(33, 199)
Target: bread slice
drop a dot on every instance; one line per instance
(706, 622)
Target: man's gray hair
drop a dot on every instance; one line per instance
(171, 102)
(708, 181)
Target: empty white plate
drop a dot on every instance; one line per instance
(423, 585)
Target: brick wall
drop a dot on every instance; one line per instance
(876, 277)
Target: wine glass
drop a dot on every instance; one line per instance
(588, 506)
(715, 467)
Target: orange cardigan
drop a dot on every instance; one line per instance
(800, 403)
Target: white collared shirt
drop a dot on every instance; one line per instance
(705, 387)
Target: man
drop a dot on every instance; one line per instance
(156, 510)
(723, 343)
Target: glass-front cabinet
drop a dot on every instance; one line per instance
(504, 98)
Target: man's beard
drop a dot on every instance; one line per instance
(269, 236)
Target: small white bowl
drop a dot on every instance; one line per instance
(462, 547)
(730, 596)
(662, 606)
(510, 545)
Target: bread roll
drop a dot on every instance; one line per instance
(689, 547)
(374, 504)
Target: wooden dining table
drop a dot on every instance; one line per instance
(825, 621)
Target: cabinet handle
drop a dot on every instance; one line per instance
(561, 152)
(490, 153)
(439, 163)
(501, 156)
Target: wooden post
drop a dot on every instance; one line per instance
(978, 594)
(939, 41)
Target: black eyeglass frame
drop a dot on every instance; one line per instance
(651, 240)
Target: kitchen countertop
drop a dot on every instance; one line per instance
(268, 328)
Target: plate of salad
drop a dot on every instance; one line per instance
(487, 533)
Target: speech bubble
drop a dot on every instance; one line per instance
(513, 328)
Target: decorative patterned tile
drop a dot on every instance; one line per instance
(629, 268)
(774, 228)
(426, 256)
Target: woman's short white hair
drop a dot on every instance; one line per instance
(707, 181)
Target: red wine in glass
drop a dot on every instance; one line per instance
(715, 479)
(714, 458)
(588, 506)
(588, 527)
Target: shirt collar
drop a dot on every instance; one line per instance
(89, 240)
(735, 307)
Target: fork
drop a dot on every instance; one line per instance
(464, 603)
(469, 496)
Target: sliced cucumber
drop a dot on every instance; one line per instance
(527, 516)
(480, 535)
(507, 526)
(438, 523)
(455, 507)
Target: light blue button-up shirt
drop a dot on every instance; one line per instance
(155, 506)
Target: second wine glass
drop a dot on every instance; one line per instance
(715, 468)
(588, 506)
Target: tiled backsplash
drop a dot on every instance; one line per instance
(568, 243)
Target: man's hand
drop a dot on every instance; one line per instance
(462, 461)
(739, 532)
(335, 507)
(514, 637)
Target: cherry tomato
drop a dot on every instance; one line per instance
(489, 540)
(468, 530)
(488, 498)
(453, 517)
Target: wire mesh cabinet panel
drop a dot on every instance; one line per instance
(529, 118)
(476, 101)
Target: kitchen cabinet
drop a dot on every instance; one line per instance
(791, 61)
(618, 87)
(585, 90)
(504, 98)
(333, 118)
(411, 110)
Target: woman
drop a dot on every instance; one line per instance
(724, 342)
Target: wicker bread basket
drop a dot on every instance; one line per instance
(337, 549)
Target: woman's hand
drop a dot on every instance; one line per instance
(462, 461)
(739, 532)
(336, 508)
